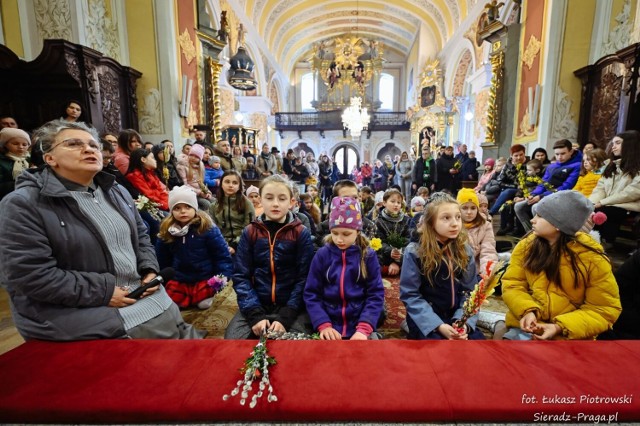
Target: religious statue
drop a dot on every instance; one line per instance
(333, 74)
(223, 32)
(493, 10)
(241, 34)
(358, 75)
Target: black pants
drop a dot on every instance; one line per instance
(611, 228)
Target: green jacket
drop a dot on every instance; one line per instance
(230, 221)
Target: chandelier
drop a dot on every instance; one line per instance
(355, 118)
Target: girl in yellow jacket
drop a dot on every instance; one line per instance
(592, 168)
(559, 283)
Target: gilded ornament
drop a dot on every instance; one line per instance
(532, 50)
(187, 46)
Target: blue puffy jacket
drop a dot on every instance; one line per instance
(560, 176)
(268, 275)
(337, 293)
(196, 257)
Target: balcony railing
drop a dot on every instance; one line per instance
(332, 120)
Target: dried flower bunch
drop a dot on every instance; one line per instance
(144, 204)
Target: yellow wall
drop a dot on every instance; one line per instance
(576, 47)
(412, 63)
(11, 26)
(142, 42)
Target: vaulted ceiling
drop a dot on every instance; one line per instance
(291, 27)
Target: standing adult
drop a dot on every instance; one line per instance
(223, 150)
(77, 246)
(425, 171)
(238, 160)
(267, 165)
(447, 171)
(73, 111)
(405, 172)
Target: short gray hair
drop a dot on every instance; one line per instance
(45, 136)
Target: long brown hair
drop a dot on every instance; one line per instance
(629, 155)
(241, 200)
(430, 252)
(362, 243)
(542, 256)
(202, 220)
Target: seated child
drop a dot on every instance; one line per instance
(559, 283)
(253, 194)
(271, 267)
(437, 273)
(392, 227)
(193, 246)
(344, 293)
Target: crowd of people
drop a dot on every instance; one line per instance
(305, 251)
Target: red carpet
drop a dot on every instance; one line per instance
(385, 381)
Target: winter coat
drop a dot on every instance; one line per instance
(560, 176)
(7, 182)
(422, 177)
(484, 180)
(55, 264)
(250, 174)
(226, 162)
(121, 160)
(431, 304)
(582, 312)
(272, 273)
(212, 177)
(619, 190)
(313, 168)
(150, 186)
(483, 243)
(300, 173)
(269, 164)
(405, 169)
(336, 291)
(239, 163)
(469, 170)
(196, 257)
(508, 177)
(326, 170)
(366, 171)
(587, 183)
(445, 179)
(385, 226)
(230, 221)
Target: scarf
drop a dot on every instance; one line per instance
(265, 156)
(19, 164)
(178, 231)
(392, 217)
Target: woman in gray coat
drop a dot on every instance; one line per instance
(405, 170)
(76, 247)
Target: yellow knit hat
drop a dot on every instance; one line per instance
(466, 195)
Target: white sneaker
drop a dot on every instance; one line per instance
(206, 303)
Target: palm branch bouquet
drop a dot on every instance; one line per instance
(490, 279)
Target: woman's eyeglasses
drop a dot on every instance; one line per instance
(78, 144)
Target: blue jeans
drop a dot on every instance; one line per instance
(506, 195)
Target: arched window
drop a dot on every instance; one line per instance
(345, 157)
(306, 92)
(386, 92)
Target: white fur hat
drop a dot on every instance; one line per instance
(183, 194)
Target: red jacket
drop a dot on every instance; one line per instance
(150, 186)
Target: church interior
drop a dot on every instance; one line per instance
(357, 80)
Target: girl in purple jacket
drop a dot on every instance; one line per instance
(344, 293)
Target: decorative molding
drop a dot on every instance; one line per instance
(214, 119)
(532, 50)
(109, 85)
(619, 37)
(187, 46)
(495, 93)
(273, 97)
(472, 35)
(606, 106)
(635, 35)
(564, 125)
(461, 74)
(53, 19)
(101, 30)
(150, 113)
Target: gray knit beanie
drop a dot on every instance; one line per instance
(183, 194)
(566, 210)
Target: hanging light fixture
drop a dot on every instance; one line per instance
(241, 70)
(355, 118)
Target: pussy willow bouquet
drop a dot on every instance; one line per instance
(375, 244)
(396, 240)
(144, 204)
(490, 279)
(217, 282)
(255, 369)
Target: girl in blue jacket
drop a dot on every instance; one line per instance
(271, 267)
(437, 272)
(193, 246)
(344, 293)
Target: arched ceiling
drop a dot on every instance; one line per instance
(290, 28)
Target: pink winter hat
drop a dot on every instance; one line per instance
(345, 213)
(197, 150)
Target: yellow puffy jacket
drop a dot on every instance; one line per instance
(582, 312)
(587, 183)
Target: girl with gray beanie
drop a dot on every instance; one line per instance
(559, 283)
